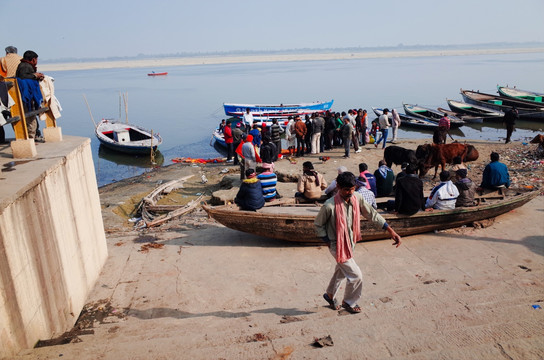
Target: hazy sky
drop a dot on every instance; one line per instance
(94, 29)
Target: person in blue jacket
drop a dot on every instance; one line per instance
(250, 196)
(495, 174)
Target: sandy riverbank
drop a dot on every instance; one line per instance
(208, 292)
(211, 60)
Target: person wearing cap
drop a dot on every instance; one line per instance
(409, 198)
(237, 135)
(311, 183)
(368, 196)
(269, 181)
(250, 196)
(384, 128)
(338, 225)
(466, 187)
(10, 62)
(331, 189)
(444, 195)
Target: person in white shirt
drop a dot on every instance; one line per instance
(444, 195)
(248, 120)
(384, 127)
(395, 123)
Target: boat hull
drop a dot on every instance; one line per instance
(523, 95)
(431, 115)
(269, 112)
(475, 110)
(295, 223)
(411, 121)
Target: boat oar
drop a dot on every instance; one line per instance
(89, 108)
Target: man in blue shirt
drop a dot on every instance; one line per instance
(495, 174)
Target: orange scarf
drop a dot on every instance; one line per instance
(344, 250)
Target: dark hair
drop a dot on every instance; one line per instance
(494, 156)
(274, 121)
(382, 162)
(363, 167)
(29, 55)
(308, 165)
(386, 110)
(267, 138)
(345, 180)
(249, 172)
(411, 168)
(444, 175)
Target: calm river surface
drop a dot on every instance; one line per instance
(186, 105)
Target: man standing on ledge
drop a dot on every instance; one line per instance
(338, 225)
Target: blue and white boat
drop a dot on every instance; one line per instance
(268, 112)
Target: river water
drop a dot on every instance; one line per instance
(186, 105)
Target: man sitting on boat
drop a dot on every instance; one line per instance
(444, 195)
(310, 184)
(269, 181)
(250, 196)
(332, 189)
(384, 179)
(495, 174)
(466, 188)
(409, 197)
(338, 225)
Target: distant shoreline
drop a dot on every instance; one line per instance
(216, 60)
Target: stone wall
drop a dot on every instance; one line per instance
(52, 243)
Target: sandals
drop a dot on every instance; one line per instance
(352, 309)
(333, 304)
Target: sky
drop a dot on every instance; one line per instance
(61, 29)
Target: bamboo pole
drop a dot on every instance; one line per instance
(89, 108)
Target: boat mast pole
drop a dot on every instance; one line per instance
(89, 108)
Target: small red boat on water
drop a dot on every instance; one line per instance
(157, 74)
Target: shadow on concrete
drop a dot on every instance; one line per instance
(207, 236)
(534, 243)
(154, 313)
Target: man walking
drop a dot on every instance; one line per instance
(338, 225)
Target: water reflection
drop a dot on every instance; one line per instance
(141, 161)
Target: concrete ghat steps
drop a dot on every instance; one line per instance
(456, 332)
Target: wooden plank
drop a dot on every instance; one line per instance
(21, 132)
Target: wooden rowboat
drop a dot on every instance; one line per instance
(514, 93)
(126, 138)
(157, 74)
(411, 121)
(431, 114)
(474, 110)
(526, 109)
(295, 222)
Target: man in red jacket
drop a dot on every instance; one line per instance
(227, 133)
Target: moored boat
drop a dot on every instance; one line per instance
(126, 138)
(465, 118)
(295, 222)
(411, 121)
(518, 94)
(157, 74)
(281, 111)
(431, 114)
(474, 110)
(526, 110)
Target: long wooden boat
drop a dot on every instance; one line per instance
(157, 74)
(431, 114)
(465, 118)
(411, 121)
(295, 222)
(518, 94)
(526, 110)
(281, 111)
(461, 107)
(126, 138)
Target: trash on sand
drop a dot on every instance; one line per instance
(324, 341)
(536, 307)
(204, 179)
(134, 219)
